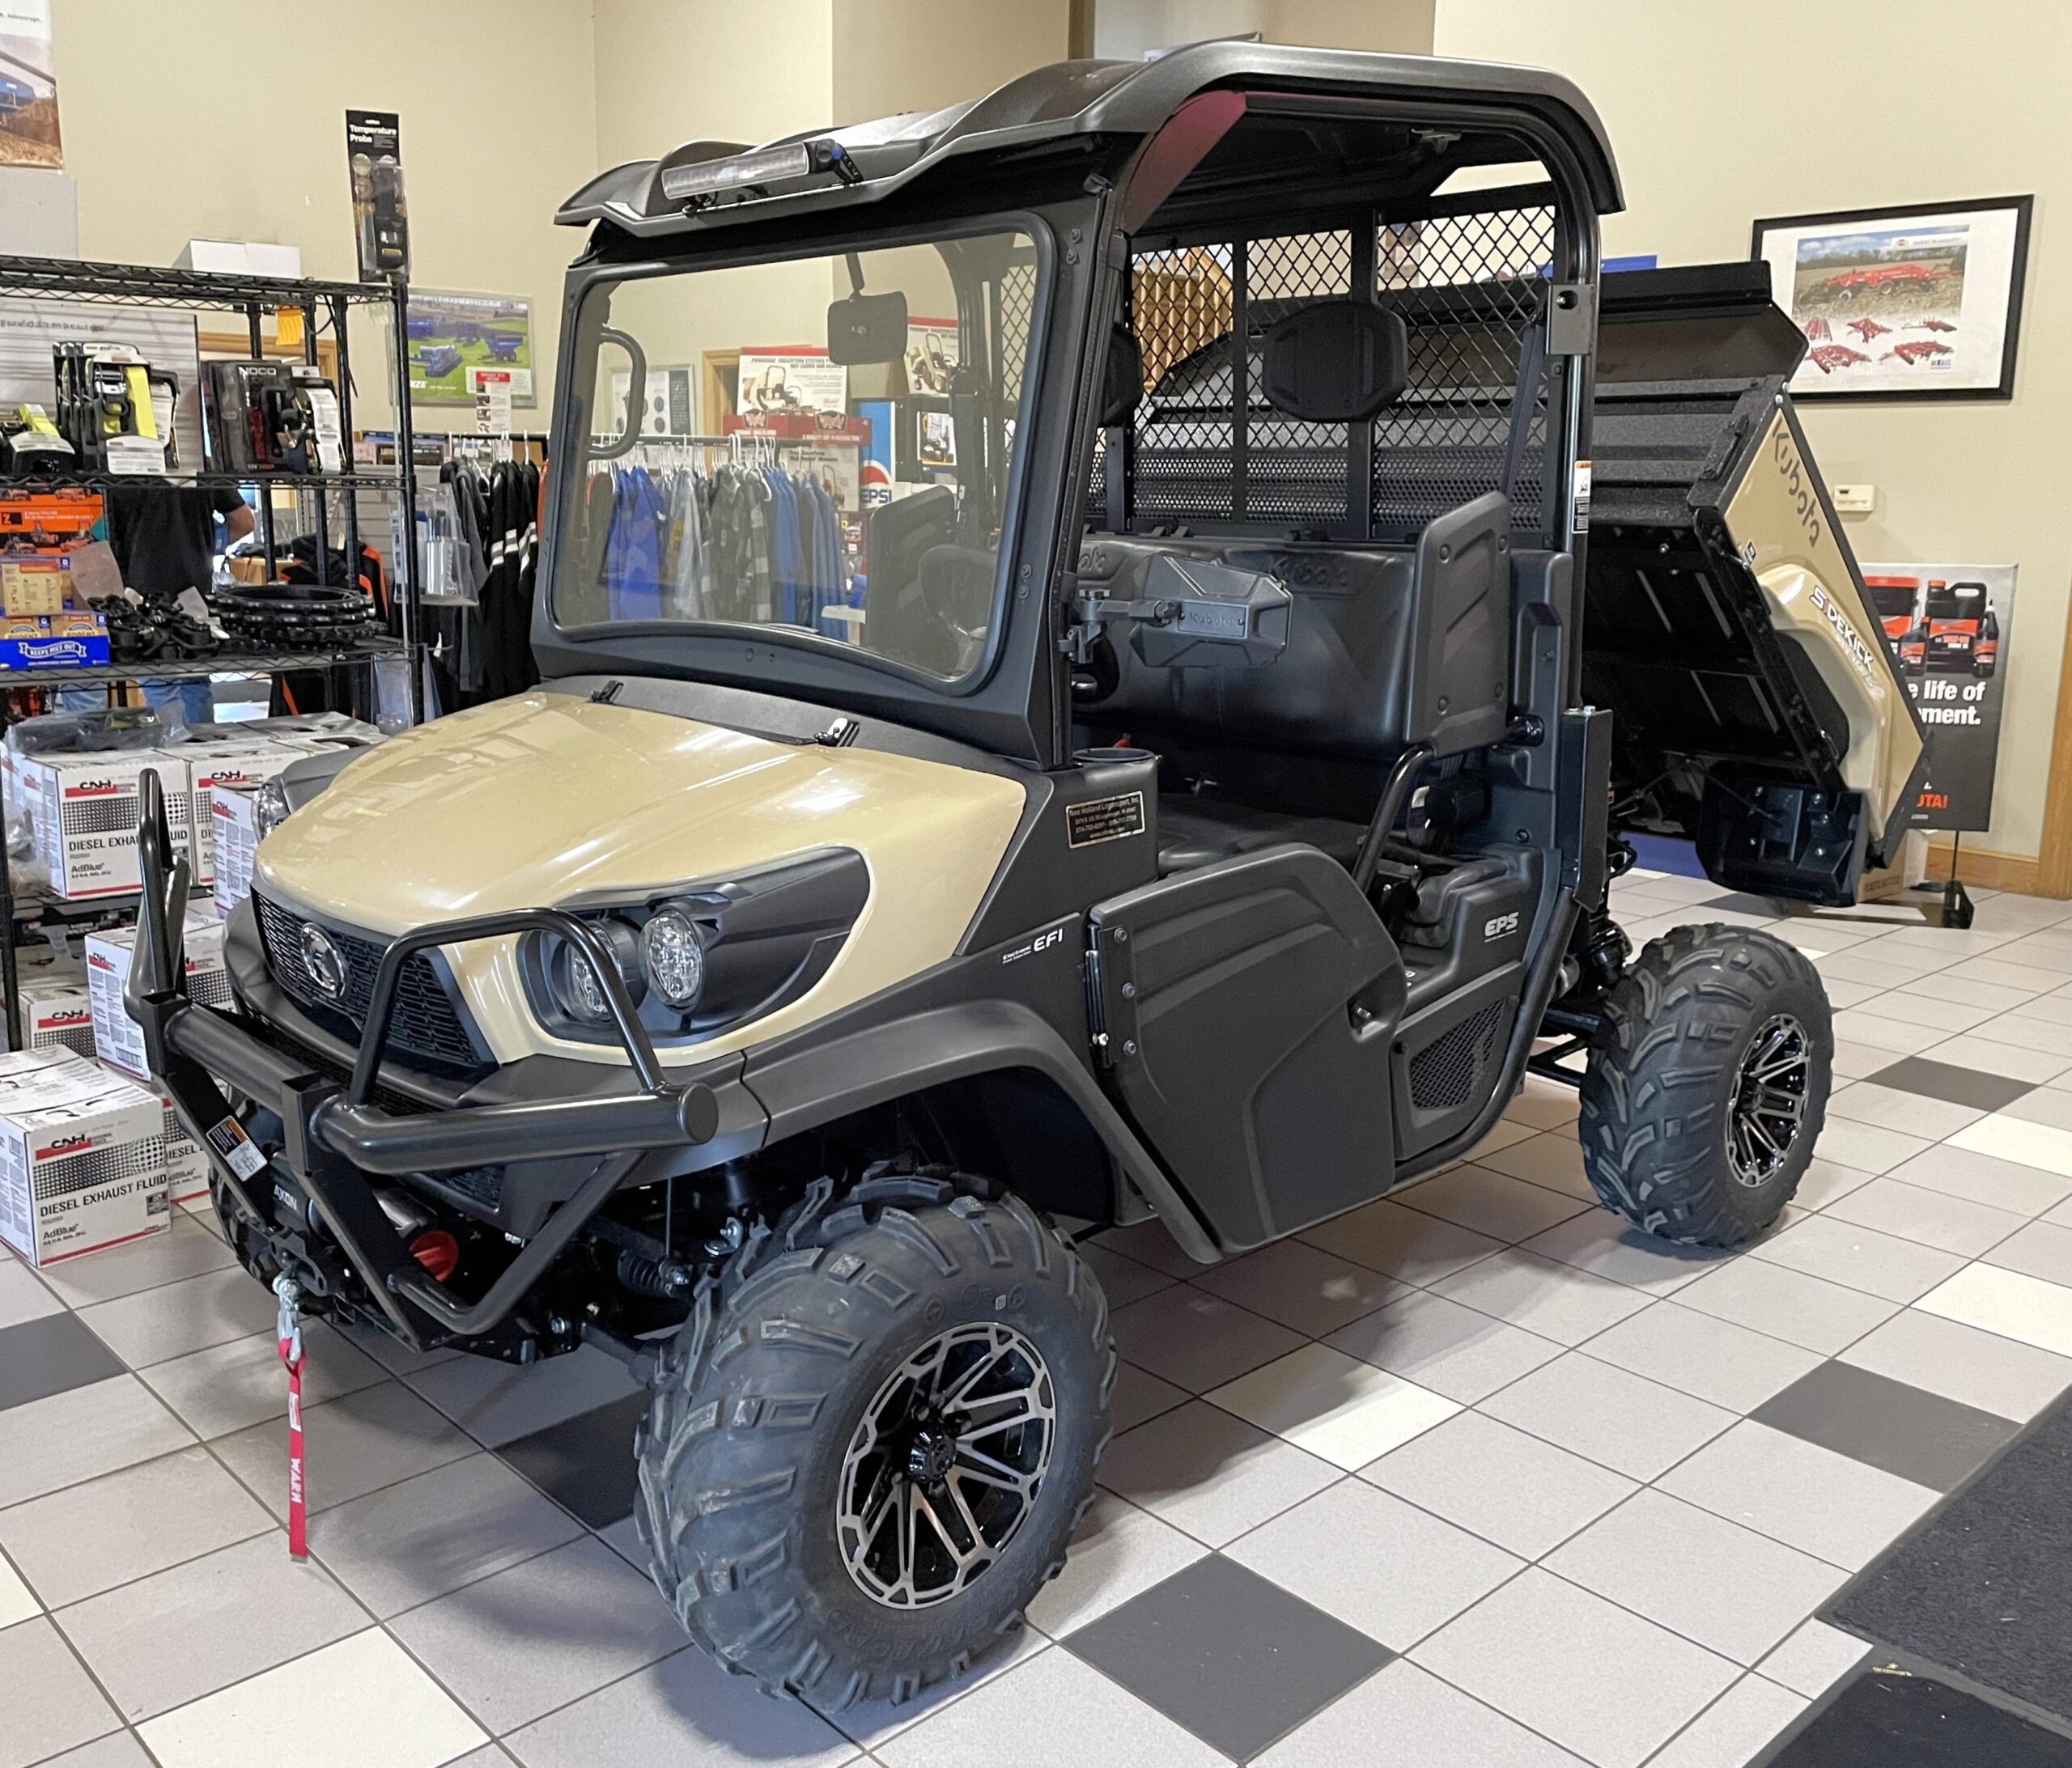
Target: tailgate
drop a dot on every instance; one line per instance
(1758, 707)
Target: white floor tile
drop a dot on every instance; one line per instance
(1858, 1257)
(2013, 1139)
(1608, 1246)
(1733, 1730)
(1702, 1354)
(1934, 1218)
(1868, 1101)
(1208, 1472)
(1807, 1497)
(1813, 1658)
(1537, 1295)
(1333, 1406)
(1117, 1552)
(1634, 1427)
(358, 1701)
(1442, 1344)
(1961, 1362)
(2008, 1302)
(18, 1602)
(1427, 1723)
(1596, 1679)
(1787, 1304)
(1391, 1570)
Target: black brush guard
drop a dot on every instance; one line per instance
(334, 1135)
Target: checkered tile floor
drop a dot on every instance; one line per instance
(1467, 1477)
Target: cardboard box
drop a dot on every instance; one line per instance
(218, 763)
(82, 1157)
(239, 257)
(53, 641)
(57, 1011)
(186, 1161)
(118, 1037)
(38, 584)
(85, 811)
(234, 827)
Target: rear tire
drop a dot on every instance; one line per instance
(787, 1410)
(1713, 1038)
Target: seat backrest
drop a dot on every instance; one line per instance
(1386, 646)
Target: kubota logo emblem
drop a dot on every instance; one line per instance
(323, 963)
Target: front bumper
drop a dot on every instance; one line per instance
(335, 1137)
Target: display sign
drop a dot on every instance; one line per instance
(1917, 302)
(455, 338)
(493, 401)
(795, 378)
(931, 355)
(28, 87)
(1949, 626)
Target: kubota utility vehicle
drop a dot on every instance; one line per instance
(1193, 793)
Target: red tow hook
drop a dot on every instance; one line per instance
(438, 1252)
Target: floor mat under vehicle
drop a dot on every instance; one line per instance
(1982, 1585)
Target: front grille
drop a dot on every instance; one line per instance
(425, 1023)
(1443, 1075)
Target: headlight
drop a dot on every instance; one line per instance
(269, 807)
(701, 956)
(575, 984)
(673, 955)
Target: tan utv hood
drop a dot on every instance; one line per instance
(548, 798)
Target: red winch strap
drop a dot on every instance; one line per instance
(289, 1334)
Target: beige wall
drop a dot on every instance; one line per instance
(1722, 113)
(1127, 28)
(919, 55)
(498, 125)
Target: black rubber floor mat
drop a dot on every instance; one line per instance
(1888, 1720)
(1982, 1585)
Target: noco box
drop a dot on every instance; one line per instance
(82, 1157)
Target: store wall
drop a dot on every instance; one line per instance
(918, 55)
(226, 119)
(1721, 114)
(1129, 28)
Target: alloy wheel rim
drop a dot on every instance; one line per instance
(1769, 1107)
(944, 1467)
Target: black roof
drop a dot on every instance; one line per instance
(1113, 98)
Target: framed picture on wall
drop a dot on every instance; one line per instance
(1917, 302)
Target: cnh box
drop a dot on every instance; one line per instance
(118, 1038)
(234, 826)
(84, 814)
(82, 1157)
(218, 764)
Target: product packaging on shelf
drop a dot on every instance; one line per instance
(82, 1157)
(57, 1009)
(84, 815)
(216, 764)
(234, 828)
(53, 641)
(118, 1037)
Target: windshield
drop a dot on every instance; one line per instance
(821, 449)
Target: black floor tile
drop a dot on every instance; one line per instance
(1234, 1658)
(1920, 1437)
(584, 1463)
(1953, 1084)
(51, 1355)
(1887, 1719)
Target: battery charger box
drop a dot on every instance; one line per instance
(82, 1157)
(86, 811)
(118, 1038)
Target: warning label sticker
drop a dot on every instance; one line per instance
(1104, 819)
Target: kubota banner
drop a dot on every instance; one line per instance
(1949, 626)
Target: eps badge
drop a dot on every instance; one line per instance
(1498, 924)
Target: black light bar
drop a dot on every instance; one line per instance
(708, 179)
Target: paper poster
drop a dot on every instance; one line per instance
(454, 335)
(28, 87)
(1917, 304)
(931, 355)
(493, 400)
(381, 219)
(1949, 625)
(796, 378)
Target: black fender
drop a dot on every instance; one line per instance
(805, 1082)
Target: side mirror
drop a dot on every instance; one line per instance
(1337, 361)
(864, 328)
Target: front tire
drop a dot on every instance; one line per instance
(1707, 1088)
(870, 1447)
